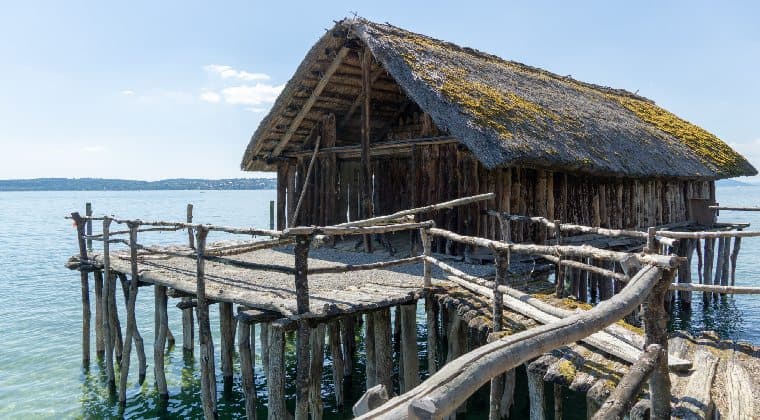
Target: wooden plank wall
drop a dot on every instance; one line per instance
(436, 173)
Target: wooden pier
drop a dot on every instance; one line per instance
(483, 320)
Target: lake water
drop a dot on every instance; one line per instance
(40, 309)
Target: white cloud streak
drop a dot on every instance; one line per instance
(228, 72)
(127, 92)
(258, 94)
(210, 96)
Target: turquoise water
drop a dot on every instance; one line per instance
(40, 309)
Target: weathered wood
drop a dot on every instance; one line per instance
(264, 334)
(305, 184)
(366, 169)
(336, 354)
(464, 377)
(348, 335)
(227, 328)
(246, 369)
(497, 310)
(282, 189)
(737, 290)
(205, 341)
(624, 396)
(99, 339)
(536, 396)
(85, 287)
(162, 326)
(315, 371)
(409, 357)
(734, 257)
(364, 267)
(188, 329)
(426, 251)
(655, 319)
(306, 107)
(369, 348)
(586, 267)
(383, 348)
(301, 253)
(375, 397)
(114, 324)
(739, 389)
(697, 402)
(558, 413)
(131, 321)
(106, 304)
(189, 219)
(709, 234)
(431, 316)
(707, 273)
(508, 394)
(276, 409)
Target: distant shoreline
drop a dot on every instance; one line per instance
(100, 184)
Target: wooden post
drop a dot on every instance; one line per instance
(557, 402)
(99, 340)
(315, 371)
(536, 395)
(264, 337)
(246, 369)
(427, 267)
(88, 213)
(84, 277)
(205, 341)
(188, 329)
(366, 169)
(656, 332)
(162, 326)
(559, 272)
(409, 357)
(276, 409)
(348, 334)
(302, 340)
(708, 266)
(189, 218)
(369, 348)
(734, 257)
(337, 361)
(106, 302)
(497, 383)
(142, 364)
(227, 329)
(131, 321)
(383, 349)
(432, 332)
(271, 213)
(113, 323)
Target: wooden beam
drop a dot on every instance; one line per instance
(360, 99)
(345, 152)
(310, 102)
(366, 169)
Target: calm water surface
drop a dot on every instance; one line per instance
(40, 309)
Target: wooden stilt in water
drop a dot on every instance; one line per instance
(106, 304)
(409, 357)
(276, 378)
(84, 277)
(337, 361)
(369, 347)
(99, 339)
(246, 369)
(188, 331)
(497, 383)
(315, 371)
(508, 396)
(734, 256)
(431, 313)
(707, 271)
(383, 355)
(348, 328)
(302, 338)
(131, 322)
(264, 335)
(142, 364)
(228, 342)
(114, 324)
(162, 325)
(557, 402)
(536, 395)
(205, 342)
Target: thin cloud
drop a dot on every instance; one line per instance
(227, 72)
(210, 96)
(258, 94)
(127, 92)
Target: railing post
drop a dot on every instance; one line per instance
(188, 327)
(497, 383)
(84, 276)
(427, 248)
(271, 214)
(190, 236)
(106, 299)
(208, 378)
(131, 319)
(559, 272)
(655, 332)
(88, 213)
(302, 341)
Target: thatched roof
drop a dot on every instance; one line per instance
(505, 112)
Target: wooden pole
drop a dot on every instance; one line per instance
(559, 272)
(409, 357)
(276, 409)
(383, 349)
(106, 302)
(271, 213)
(227, 329)
(369, 348)
(619, 403)
(264, 337)
(536, 396)
(734, 256)
(302, 340)
(189, 218)
(131, 321)
(315, 371)
(337, 361)
(88, 213)
(655, 328)
(99, 339)
(142, 364)
(366, 169)
(431, 314)
(188, 333)
(113, 323)
(205, 341)
(497, 383)
(84, 277)
(557, 402)
(162, 326)
(246, 369)
(427, 251)
(348, 334)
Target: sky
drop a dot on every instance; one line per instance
(167, 89)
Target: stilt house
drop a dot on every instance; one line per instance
(396, 119)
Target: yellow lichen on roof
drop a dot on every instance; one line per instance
(706, 145)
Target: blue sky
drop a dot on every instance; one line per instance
(160, 89)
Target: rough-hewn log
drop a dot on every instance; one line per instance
(656, 332)
(276, 409)
(536, 396)
(709, 234)
(369, 348)
(99, 340)
(162, 326)
(246, 369)
(315, 371)
(205, 342)
(431, 316)
(108, 335)
(463, 377)
(624, 396)
(363, 267)
(301, 253)
(373, 398)
(497, 310)
(734, 256)
(336, 354)
(366, 169)
(131, 321)
(188, 329)
(384, 348)
(227, 331)
(409, 358)
(84, 277)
